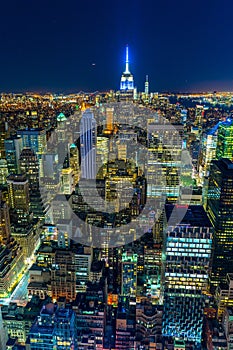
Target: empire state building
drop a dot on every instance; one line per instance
(127, 83)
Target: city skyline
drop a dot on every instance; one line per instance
(122, 257)
(57, 48)
(116, 175)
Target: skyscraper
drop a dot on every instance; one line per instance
(13, 147)
(188, 242)
(219, 208)
(129, 274)
(18, 191)
(109, 119)
(127, 82)
(29, 165)
(164, 160)
(34, 139)
(63, 275)
(225, 140)
(147, 86)
(5, 230)
(88, 136)
(12, 259)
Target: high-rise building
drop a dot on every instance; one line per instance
(188, 242)
(127, 82)
(164, 160)
(34, 139)
(29, 165)
(88, 136)
(219, 208)
(3, 171)
(5, 229)
(147, 86)
(225, 140)
(199, 115)
(208, 153)
(67, 181)
(63, 276)
(4, 133)
(74, 162)
(83, 258)
(129, 274)
(12, 259)
(127, 90)
(18, 191)
(13, 148)
(109, 119)
(28, 237)
(102, 153)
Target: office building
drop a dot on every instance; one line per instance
(147, 86)
(28, 237)
(88, 136)
(188, 243)
(129, 274)
(4, 134)
(63, 276)
(13, 148)
(164, 163)
(3, 171)
(5, 228)
(34, 139)
(225, 140)
(102, 154)
(11, 254)
(19, 200)
(83, 258)
(67, 181)
(29, 165)
(219, 208)
(109, 119)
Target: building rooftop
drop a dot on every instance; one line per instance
(225, 165)
(191, 215)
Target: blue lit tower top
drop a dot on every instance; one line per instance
(127, 61)
(127, 82)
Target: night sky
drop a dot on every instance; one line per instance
(48, 45)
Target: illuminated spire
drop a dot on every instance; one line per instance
(127, 82)
(127, 60)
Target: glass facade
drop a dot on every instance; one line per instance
(219, 207)
(186, 271)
